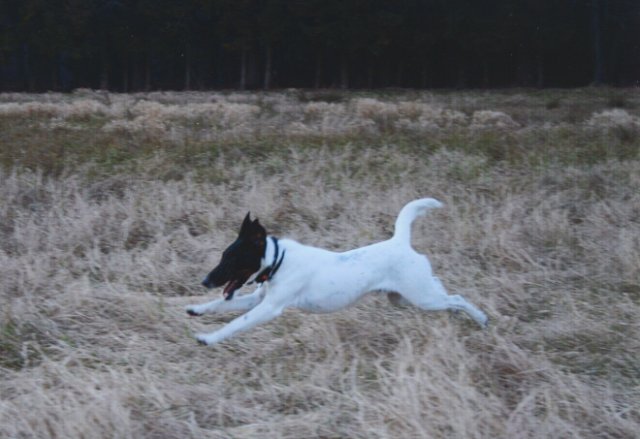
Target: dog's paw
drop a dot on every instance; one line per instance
(191, 310)
(202, 339)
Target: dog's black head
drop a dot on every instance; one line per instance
(240, 260)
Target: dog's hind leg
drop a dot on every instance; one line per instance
(459, 303)
(239, 303)
(431, 296)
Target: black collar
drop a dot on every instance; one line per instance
(268, 272)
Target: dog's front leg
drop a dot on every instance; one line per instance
(264, 312)
(241, 303)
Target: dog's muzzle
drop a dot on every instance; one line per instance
(206, 282)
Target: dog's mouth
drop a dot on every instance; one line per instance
(232, 286)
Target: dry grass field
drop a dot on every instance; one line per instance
(113, 207)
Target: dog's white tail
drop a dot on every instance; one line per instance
(409, 213)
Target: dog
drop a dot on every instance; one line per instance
(293, 275)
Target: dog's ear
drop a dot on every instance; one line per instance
(253, 232)
(246, 224)
(257, 231)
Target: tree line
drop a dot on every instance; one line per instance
(133, 45)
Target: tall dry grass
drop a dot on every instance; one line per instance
(98, 260)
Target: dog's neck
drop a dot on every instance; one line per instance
(269, 252)
(270, 263)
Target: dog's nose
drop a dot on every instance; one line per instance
(206, 282)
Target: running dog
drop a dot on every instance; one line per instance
(292, 275)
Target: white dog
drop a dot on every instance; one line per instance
(292, 275)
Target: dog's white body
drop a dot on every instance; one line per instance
(322, 281)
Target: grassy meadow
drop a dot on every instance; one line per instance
(113, 207)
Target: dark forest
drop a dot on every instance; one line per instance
(136, 45)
